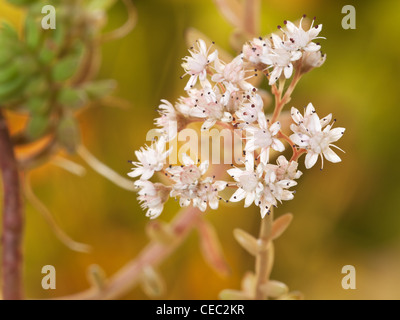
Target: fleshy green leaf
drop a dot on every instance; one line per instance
(100, 89)
(65, 68)
(68, 134)
(32, 32)
(37, 126)
(72, 98)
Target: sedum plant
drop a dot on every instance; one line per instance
(219, 93)
(49, 75)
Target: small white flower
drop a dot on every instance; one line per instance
(207, 193)
(299, 39)
(232, 99)
(167, 120)
(191, 188)
(254, 50)
(249, 111)
(280, 58)
(232, 73)
(311, 60)
(207, 104)
(152, 197)
(196, 65)
(151, 159)
(172, 119)
(263, 137)
(188, 173)
(248, 181)
(308, 134)
(287, 170)
(273, 190)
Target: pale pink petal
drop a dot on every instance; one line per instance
(331, 156)
(311, 159)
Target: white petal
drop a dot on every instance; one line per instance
(238, 195)
(331, 156)
(291, 27)
(275, 75)
(278, 145)
(309, 110)
(187, 161)
(249, 163)
(136, 172)
(296, 115)
(312, 47)
(336, 134)
(204, 166)
(214, 203)
(313, 32)
(264, 156)
(311, 159)
(147, 174)
(326, 120)
(208, 124)
(219, 185)
(217, 77)
(192, 81)
(287, 183)
(235, 172)
(296, 55)
(249, 199)
(202, 46)
(299, 139)
(288, 71)
(213, 56)
(274, 129)
(314, 124)
(202, 206)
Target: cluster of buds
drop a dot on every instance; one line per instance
(221, 93)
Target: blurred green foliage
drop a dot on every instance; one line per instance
(346, 214)
(45, 73)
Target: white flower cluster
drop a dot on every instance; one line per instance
(220, 92)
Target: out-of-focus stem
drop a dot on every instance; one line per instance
(103, 170)
(59, 232)
(152, 255)
(13, 219)
(263, 263)
(251, 17)
(127, 27)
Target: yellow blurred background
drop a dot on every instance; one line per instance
(347, 214)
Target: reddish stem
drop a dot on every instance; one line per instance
(13, 220)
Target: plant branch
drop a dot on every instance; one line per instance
(127, 27)
(264, 258)
(281, 102)
(251, 17)
(13, 219)
(152, 255)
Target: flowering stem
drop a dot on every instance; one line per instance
(13, 219)
(281, 102)
(297, 154)
(263, 259)
(152, 255)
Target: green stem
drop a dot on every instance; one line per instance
(264, 259)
